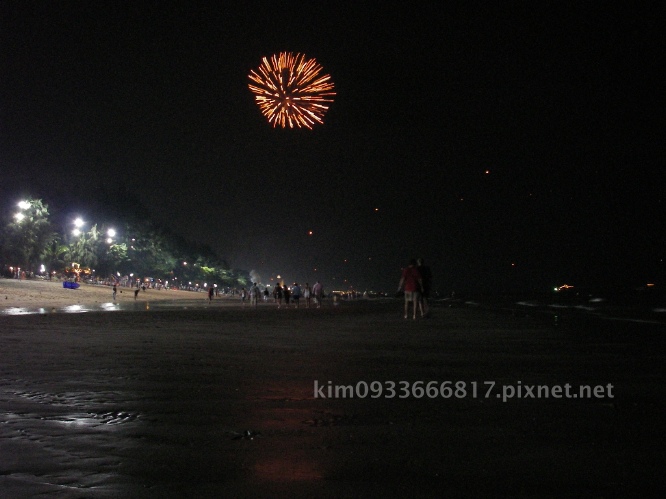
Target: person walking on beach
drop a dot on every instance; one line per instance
(318, 292)
(211, 293)
(115, 291)
(287, 295)
(426, 277)
(254, 294)
(277, 294)
(412, 284)
(243, 295)
(296, 294)
(307, 292)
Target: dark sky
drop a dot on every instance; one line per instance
(559, 104)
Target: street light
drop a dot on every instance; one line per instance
(19, 217)
(24, 205)
(78, 223)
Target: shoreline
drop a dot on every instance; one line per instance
(29, 297)
(35, 294)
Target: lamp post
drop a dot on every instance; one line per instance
(78, 223)
(22, 205)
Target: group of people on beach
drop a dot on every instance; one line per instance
(416, 283)
(295, 294)
(290, 295)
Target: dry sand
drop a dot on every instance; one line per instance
(219, 402)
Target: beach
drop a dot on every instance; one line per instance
(31, 294)
(224, 400)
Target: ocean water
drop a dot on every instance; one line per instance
(646, 305)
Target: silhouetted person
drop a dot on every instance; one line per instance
(318, 292)
(277, 294)
(254, 294)
(296, 294)
(307, 293)
(426, 277)
(412, 284)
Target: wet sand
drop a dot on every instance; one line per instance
(219, 401)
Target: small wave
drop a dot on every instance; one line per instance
(630, 319)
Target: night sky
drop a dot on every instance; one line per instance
(512, 148)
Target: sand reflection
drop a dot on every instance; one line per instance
(288, 468)
(287, 443)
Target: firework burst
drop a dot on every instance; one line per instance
(289, 90)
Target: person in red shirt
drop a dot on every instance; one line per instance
(412, 284)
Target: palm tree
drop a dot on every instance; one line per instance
(84, 248)
(54, 254)
(112, 258)
(29, 233)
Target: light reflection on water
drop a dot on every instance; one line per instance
(112, 418)
(72, 309)
(21, 311)
(103, 307)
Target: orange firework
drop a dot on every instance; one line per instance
(289, 90)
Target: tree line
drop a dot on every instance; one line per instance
(30, 240)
